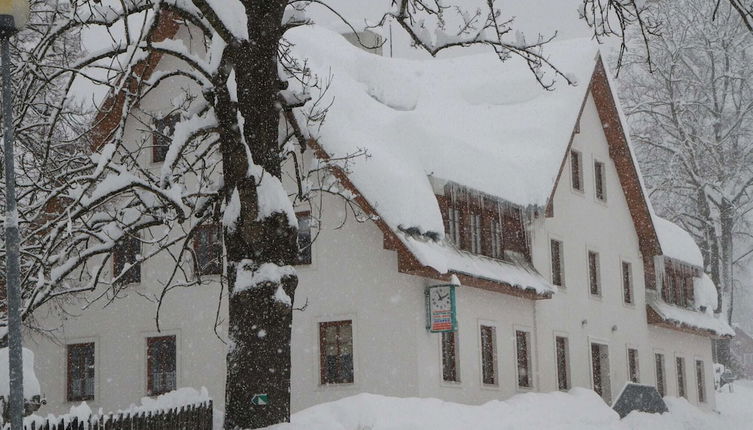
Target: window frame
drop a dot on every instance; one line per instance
(700, 377)
(475, 232)
(600, 179)
(528, 359)
(128, 248)
(576, 171)
(493, 355)
(628, 283)
(560, 262)
(445, 372)
(594, 274)
(323, 351)
(566, 359)
(660, 369)
(605, 390)
(151, 341)
(305, 256)
(91, 345)
(169, 121)
(206, 269)
(633, 366)
(681, 376)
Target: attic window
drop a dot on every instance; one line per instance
(600, 181)
(164, 128)
(576, 170)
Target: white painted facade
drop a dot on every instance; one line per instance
(352, 277)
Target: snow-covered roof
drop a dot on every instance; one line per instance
(473, 120)
(687, 318)
(704, 293)
(445, 258)
(677, 243)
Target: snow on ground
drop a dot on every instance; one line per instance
(580, 409)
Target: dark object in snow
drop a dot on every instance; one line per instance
(639, 397)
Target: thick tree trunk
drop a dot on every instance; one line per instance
(258, 360)
(725, 304)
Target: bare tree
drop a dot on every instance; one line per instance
(693, 121)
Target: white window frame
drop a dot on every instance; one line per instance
(603, 165)
(495, 356)
(530, 350)
(564, 335)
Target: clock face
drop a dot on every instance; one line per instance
(441, 298)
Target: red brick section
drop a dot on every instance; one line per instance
(108, 119)
(406, 261)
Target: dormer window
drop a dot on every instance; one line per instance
(454, 226)
(678, 286)
(496, 239)
(475, 234)
(483, 225)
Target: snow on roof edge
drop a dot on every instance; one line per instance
(688, 318)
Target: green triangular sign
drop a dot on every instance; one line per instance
(260, 399)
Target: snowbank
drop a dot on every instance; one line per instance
(31, 383)
(580, 409)
(472, 120)
(677, 243)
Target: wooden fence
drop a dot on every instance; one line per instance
(190, 417)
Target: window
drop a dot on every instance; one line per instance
(700, 377)
(627, 282)
(208, 248)
(558, 276)
(304, 238)
(576, 170)
(124, 257)
(523, 358)
(594, 276)
(476, 234)
(160, 365)
(80, 372)
(660, 384)
(336, 352)
(633, 367)
(600, 371)
(496, 233)
(453, 218)
(680, 363)
(164, 129)
(488, 355)
(563, 363)
(600, 181)
(450, 370)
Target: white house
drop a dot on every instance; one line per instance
(530, 200)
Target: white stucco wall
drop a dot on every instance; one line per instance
(582, 223)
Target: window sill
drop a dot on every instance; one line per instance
(490, 387)
(337, 387)
(451, 384)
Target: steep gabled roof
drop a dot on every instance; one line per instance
(484, 124)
